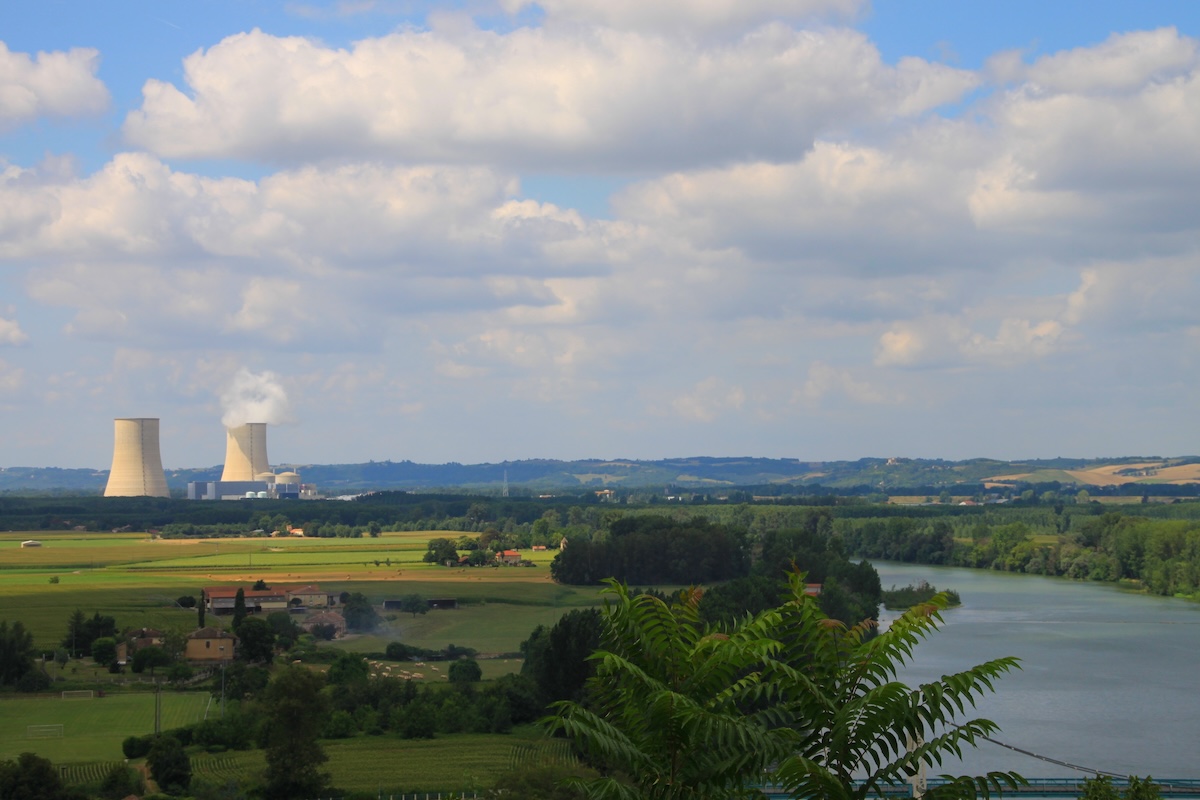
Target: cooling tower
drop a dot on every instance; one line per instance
(137, 465)
(246, 452)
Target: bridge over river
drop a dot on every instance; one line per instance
(1043, 787)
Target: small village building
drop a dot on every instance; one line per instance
(510, 557)
(31, 543)
(210, 646)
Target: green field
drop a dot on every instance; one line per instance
(390, 765)
(92, 729)
(136, 580)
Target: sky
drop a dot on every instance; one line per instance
(494, 230)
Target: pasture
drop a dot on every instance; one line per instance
(92, 729)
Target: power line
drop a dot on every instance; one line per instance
(1048, 759)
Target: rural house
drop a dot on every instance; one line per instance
(210, 645)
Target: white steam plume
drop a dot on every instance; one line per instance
(254, 397)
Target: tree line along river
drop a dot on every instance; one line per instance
(1109, 678)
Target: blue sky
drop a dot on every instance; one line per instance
(501, 229)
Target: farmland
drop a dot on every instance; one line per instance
(137, 579)
(456, 762)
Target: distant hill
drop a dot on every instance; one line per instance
(867, 474)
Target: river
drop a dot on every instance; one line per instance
(1109, 678)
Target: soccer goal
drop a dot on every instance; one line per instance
(43, 731)
(78, 694)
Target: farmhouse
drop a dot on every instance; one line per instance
(221, 599)
(210, 645)
(135, 640)
(510, 557)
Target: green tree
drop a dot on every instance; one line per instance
(150, 658)
(169, 764)
(1142, 789)
(414, 604)
(16, 652)
(256, 641)
(104, 651)
(465, 670)
(679, 710)
(558, 659)
(31, 777)
(239, 608)
(349, 668)
(440, 551)
(294, 712)
(120, 782)
(859, 721)
(359, 613)
(1099, 788)
(688, 710)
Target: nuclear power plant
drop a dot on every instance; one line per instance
(137, 469)
(247, 473)
(246, 452)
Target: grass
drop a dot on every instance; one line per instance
(92, 729)
(374, 763)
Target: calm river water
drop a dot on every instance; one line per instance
(1110, 679)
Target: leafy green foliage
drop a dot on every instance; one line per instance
(857, 719)
(16, 652)
(294, 713)
(465, 670)
(683, 709)
(120, 782)
(654, 549)
(256, 641)
(678, 709)
(31, 777)
(360, 615)
(558, 659)
(169, 764)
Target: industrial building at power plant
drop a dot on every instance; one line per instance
(247, 474)
(137, 469)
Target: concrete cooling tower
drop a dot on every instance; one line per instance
(246, 452)
(137, 469)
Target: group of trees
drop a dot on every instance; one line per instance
(16, 654)
(654, 549)
(1162, 554)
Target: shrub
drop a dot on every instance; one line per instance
(136, 746)
(340, 725)
(120, 782)
(33, 681)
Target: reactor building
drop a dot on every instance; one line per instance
(247, 473)
(137, 469)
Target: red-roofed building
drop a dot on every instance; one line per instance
(510, 557)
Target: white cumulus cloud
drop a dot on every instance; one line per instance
(577, 99)
(58, 84)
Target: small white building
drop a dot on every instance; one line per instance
(31, 543)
